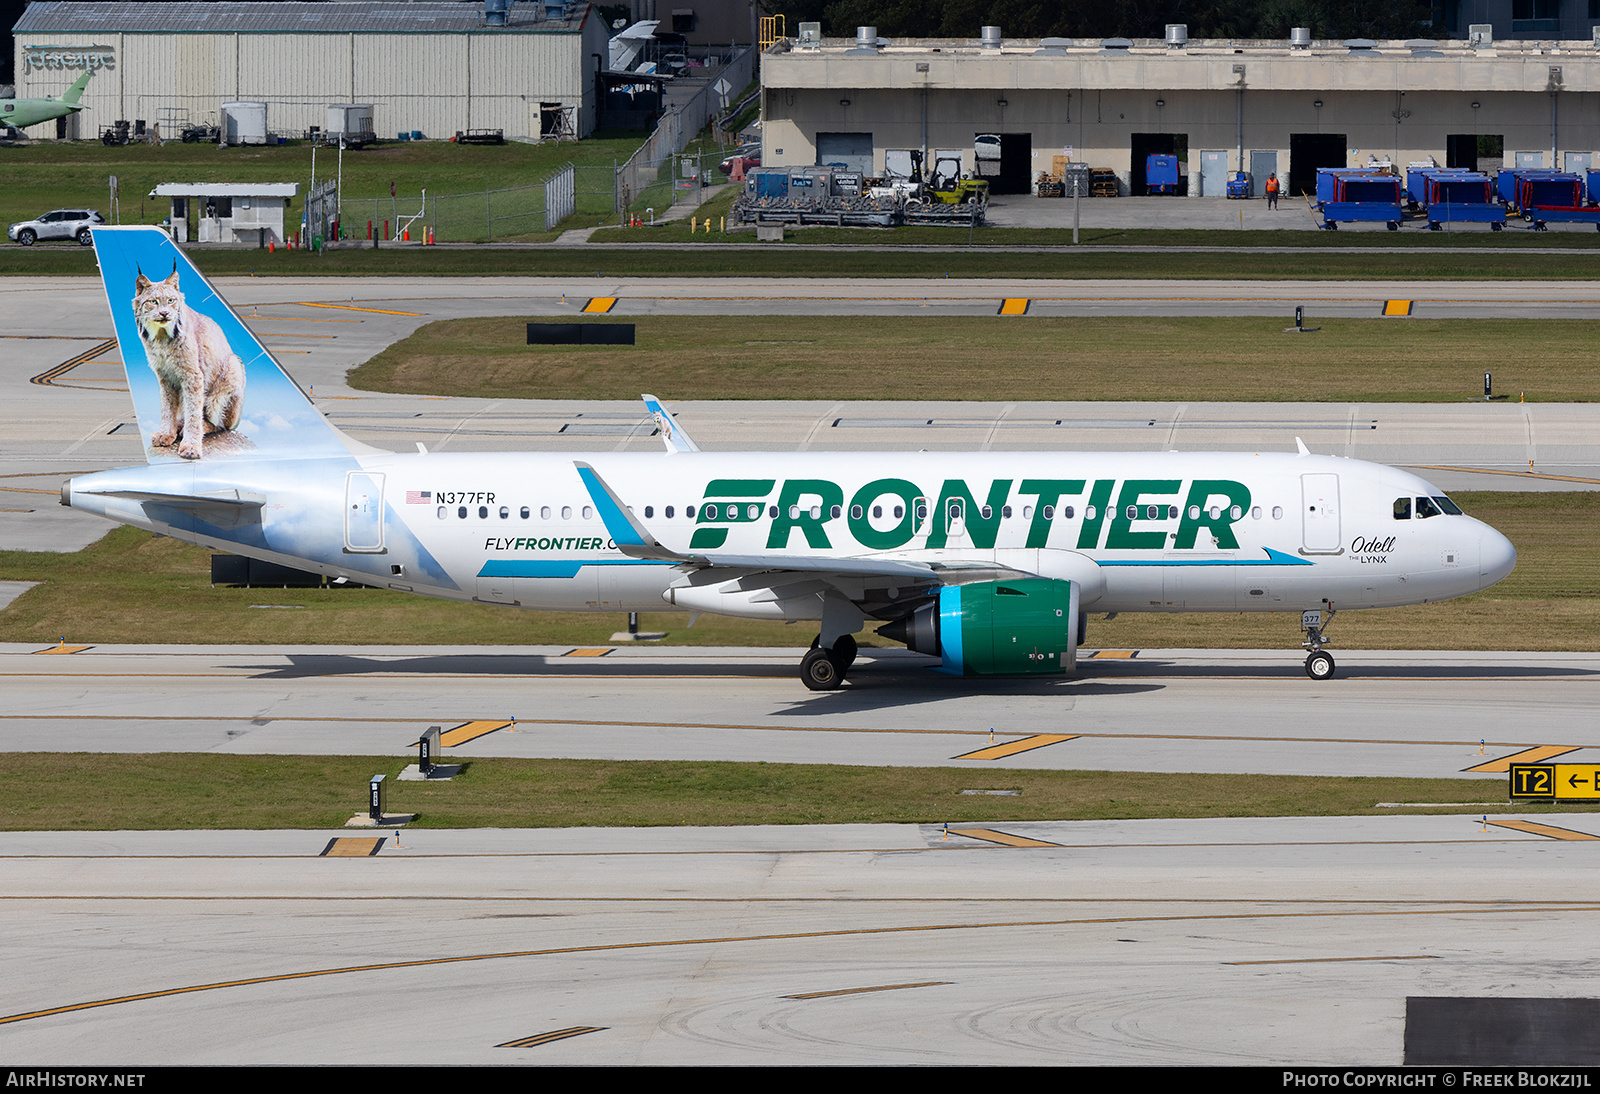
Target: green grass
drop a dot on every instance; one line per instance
(51, 175)
(132, 587)
(1022, 358)
(96, 792)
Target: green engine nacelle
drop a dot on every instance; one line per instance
(1024, 627)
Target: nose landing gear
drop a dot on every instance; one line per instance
(1319, 662)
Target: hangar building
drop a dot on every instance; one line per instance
(428, 66)
(1287, 106)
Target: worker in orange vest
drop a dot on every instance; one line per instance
(1272, 191)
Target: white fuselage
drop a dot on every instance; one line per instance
(1165, 532)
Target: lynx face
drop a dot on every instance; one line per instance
(157, 306)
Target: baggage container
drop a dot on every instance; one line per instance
(1360, 196)
(1161, 174)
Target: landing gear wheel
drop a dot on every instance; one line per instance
(818, 672)
(1319, 666)
(844, 653)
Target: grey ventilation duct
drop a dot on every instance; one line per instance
(1300, 38)
(1177, 35)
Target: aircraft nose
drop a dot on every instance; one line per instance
(1496, 556)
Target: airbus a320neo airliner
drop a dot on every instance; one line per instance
(988, 561)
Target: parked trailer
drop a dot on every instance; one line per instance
(1416, 191)
(1556, 199)
(1456, 196)
(1506, 184)
(1358, 196)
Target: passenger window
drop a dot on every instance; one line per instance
(1216, 512)
(667, 512)
(899, 512)
(1235, 512)
(483, 512)
(1402, 508)
(588, 513)
(443, 512)
(649, 510)
(855, 512)
(877, 511)
(1255, 513)
(752, 511)
(985, 512)
(708, 512)
(1027, 512)
(1426, 509)
(1153, 512)
(566, 512)
(1066, 512)
(544, 512)
(524, 512)
(833, 512)
(1049, 512)
(816, 512)
(462, 512)
(1194, 512)
(505, 513)
(1005, 511)
(1089, 512)
(1133, 512)
(794, 512)
(772, 511)
(1277, 512)
(688, 511)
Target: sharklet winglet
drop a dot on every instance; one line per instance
(631, 537)
(672, 434)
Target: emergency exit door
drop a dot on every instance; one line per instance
(363, 513)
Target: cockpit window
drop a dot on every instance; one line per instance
(1402, 508)
(1448, 506)
(1426, 508)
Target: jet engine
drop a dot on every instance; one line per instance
(1029, 626)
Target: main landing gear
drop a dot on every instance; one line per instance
(823, 669)
(1319, 662)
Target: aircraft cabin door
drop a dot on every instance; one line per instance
(363, 513)
(1319, 512)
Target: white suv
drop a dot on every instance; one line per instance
(60, 224)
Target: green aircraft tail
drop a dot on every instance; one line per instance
(75, 92)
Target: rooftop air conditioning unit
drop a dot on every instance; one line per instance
(1480, 35)
(810, 35)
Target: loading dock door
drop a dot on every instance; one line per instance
(1145, 145)
(1461, 150)
(854, 150)
(1262, 164)
(1308, 152)
(1015, 166)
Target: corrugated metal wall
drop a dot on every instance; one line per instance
(436, 83)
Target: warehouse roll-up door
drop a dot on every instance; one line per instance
(854, 150)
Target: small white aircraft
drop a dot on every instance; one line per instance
(989, 561)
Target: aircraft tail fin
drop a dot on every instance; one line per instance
(203, 385)
(75, 92)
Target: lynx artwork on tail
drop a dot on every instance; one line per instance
(202, 379)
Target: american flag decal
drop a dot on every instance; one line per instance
(419, 497)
